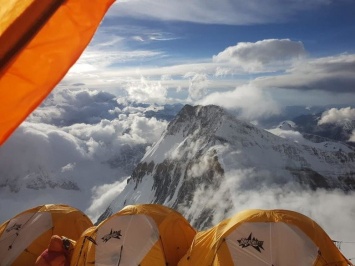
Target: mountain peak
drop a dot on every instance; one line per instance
(191, 116)
(207, 153)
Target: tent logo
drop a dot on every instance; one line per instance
(15, 227)
(251, 241)
(112, 234)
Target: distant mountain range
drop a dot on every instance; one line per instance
(207, 151)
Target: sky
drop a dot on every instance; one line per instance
(255, 56)
(229, 53)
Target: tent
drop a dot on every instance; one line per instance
(24, 237)
(40, 41)
(146, 235)
(264, 237)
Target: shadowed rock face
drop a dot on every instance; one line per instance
(173, 178)
(203, 146)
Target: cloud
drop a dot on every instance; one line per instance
(65, 107)
(149, 92)
(352, 137)
(124, 78)
(332, 74)
(150, 129)
(245, 189)
(79, 136)
(198, 168)
(262, 54)
(68, 167)
(236, 12)
(252, 102)
(322, 78)
(105, 139)
(36, 145)
(268, 64)
(198, 85)
(335, 116)
(339, 116)
(116, 45)
(102, 196)
(94, 61)
(121, 34)
(291, 135)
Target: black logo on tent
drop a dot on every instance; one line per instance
(112, 234)
(251, 241)
(15, 227)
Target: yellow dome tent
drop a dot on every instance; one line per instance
(24, 237)
(40, 40)
(264, 237)
(145, 235)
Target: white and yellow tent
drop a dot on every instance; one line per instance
(264, 237)
(145, 235)
(24, 237)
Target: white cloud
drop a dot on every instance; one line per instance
(95, 60)
(352, 137)
(334, 74)
(236, 65)
(68, 167)
(148, 129)
(339, 116)
(261, 55)
(143, 76)
(187, 149)
(102, 196)
(334, 116)
(111, 46)
(253, 102)
(291, 135)
(36, 145)
(105, 139)
(149, 92)
(121, 43)
(245, 189)
(62, 142)
(66, 107)
(198, 168)
(198, 85)
(236, 12)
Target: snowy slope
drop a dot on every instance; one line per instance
(207, 153)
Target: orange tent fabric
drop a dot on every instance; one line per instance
(143, 234)
(40, 40)
(25, 236)
(264, 237)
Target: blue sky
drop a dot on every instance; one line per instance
(233, 53)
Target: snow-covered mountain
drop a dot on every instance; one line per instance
(206, 156)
